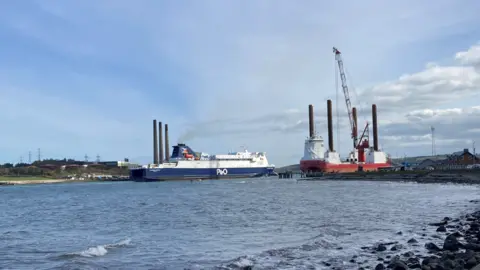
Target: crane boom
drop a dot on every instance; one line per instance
(353, 125)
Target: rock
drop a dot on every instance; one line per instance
(432, 247)
(441, 229)
(467, 254)
(381, 247)
(430, 260)
(443, 222)
(471, 262)
(449, 264)
(448, 255)
(380, 266)
(412, 260)
(474, 247)
(457, 234)
(451, 243)
(396, 247)
(477, 267)
(412, 241)
(446, 219)
(408, 254)
(399, 233)
(415, 266)
(460, 264)
(398, 265)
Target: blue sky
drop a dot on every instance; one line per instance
(88, 77)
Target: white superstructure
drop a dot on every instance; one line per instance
(244, 159)
(314, 148)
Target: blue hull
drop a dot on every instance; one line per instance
(157, 174)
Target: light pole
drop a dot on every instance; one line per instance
(474, 155)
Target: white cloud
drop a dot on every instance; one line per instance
(470, 57)
(408, 107)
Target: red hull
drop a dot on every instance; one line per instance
(322, 166)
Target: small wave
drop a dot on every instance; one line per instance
(243, 262)
(14, 235)
(287, 257)
(92, 252)
(98, 251)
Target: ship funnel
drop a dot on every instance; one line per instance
(330, 125)
(311, 124)
(167, 148)
(160, 142)
(155, 146)
(355, 122)
(375, 128)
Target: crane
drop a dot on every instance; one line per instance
(363, 142)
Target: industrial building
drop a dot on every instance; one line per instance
(457, 160)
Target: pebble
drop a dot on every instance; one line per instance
(460, 249)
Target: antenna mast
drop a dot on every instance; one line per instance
(432, 129)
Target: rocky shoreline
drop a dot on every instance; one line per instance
(460, 249)
(457, 177)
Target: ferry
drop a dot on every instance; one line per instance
(186, 164)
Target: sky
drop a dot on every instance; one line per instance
(85, 77)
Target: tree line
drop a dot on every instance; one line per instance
(56, 162)
(37, 168)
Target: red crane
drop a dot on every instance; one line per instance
(364, 141)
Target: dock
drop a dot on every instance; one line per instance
(290, 174)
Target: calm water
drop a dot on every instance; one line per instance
(274, 224)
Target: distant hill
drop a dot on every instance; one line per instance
(417, 159)
(293, 167)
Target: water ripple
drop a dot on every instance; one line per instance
(268, 223)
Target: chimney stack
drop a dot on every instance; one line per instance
(160, 142)
(375, 128)
(155, 146)
(311, 124)
(167, 148)
(330, 125)
(355, 130)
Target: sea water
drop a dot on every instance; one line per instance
(264, 223)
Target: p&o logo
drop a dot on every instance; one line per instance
(222, 171)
